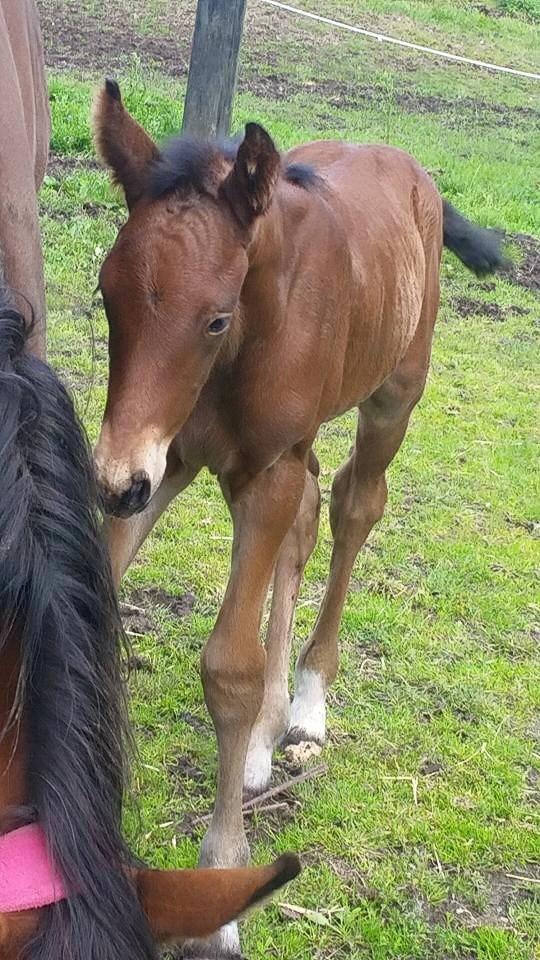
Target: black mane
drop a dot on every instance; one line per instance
(56, 594)
(187, 163)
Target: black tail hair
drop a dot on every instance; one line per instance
(479, 249)
(56, 593)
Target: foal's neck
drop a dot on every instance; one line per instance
(264, 294)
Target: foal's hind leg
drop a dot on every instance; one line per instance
(273, 720)
(358, 500)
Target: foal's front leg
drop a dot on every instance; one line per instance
(233, 662)
(273, 720)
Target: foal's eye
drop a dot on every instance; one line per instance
(219, 324)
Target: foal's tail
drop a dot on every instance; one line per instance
(479, 249)
(56, 597)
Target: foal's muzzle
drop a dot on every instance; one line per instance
(130, 501)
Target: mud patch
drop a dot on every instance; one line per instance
(139, 664)
(263, 824)
(135, 619)
(468, 307)
(77, 38)
(196, 723)
(430, 768)
(343, 95)
(76, 383)
(186, 774)
(526, 273)
(370, 660)
(61, 166)
(532, 785)
(180, 606)
(531, 526)
(492, 12)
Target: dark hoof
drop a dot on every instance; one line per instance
(295, 736)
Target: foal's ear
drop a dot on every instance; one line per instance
(122, 143)
(185, 904)
(250, 184)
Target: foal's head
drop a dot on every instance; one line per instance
(171, 285)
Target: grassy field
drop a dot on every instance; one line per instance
(422, 841)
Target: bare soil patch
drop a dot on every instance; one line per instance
(526, 273)
(187, 778)
(468, 307)
(347, 95)
(504, 893)
(77, 39)
(139, 664)
(61, 166)
(136, 621)
(346, 871)
(179, 606)
(196, 723)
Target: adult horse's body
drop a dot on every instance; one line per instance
(62, 723)
(251, 297)
(24, 145)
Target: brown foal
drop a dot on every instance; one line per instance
(250, 298)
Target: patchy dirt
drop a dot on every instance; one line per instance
(139, 664)
(61, 166)
(531, 526)
(75, 38)
(179, 606)
(184, 769)
(347, 95)
(504, 893)
(136, 620)
(468, 307)
(263, 825)
(526, 273)
(493, 12)
(341, 867)
(196, 723)
(430, 768)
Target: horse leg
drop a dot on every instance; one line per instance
(358, 500)
(273, 720)
(124, 537)
(233, 661)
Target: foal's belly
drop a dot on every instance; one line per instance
(382, 326)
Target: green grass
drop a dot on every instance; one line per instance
(432, 793)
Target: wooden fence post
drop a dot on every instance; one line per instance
(213, 67)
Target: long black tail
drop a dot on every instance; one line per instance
(479, 249)
(55, 591)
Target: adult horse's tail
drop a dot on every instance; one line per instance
(479, 249)
(55, 591)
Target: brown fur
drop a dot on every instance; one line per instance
(24, 145)
(334, 272)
